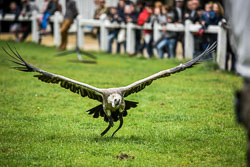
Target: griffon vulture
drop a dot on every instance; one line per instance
(114, 106)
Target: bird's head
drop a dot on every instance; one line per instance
(115, 99)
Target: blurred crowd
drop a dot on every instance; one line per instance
(126, 11)
(26, 9)
(143, 12)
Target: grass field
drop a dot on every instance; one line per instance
(183, 120)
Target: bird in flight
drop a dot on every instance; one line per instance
(114, 106)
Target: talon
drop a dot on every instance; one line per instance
(121, 123)
(106, 130)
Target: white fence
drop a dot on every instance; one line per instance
(104, 25)
(188, 30)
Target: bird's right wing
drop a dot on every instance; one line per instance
(141, 84)
(67, 83)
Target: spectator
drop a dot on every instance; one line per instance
(27, 8)
(178, 11)
(196, 3)
(70, 15)
(200, 39)
(15, 25)
(121, 38)
(131, 16)
(96, 2)
(52, 7)
(139, 6)
(196, 17)
(100, 13)
(188, 9)
(169, 39)
(219, 12)
(144, 17)
(158, 4)
(113, 32)
(179, 18)
(1, 8)
(208, 17)
(161, 18)
(171, 36)
(138, 33)
(50, 10)
(199, 17)
(44, 7)
(121, 8)
(191, 12)
(100, 10)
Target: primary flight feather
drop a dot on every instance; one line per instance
(114, 107)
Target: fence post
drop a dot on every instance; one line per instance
(35, 33)
(189, 41)
(57, 35)
(104, 34)
(156, 34)
(156, 31)
(221, 47)
(130, 41)
(79, 33)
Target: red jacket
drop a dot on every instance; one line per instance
(143, 17)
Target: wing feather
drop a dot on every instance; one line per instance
(141, 84)
(83, 89)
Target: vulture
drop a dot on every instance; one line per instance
(113, 105)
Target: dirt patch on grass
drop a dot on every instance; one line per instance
(124, 156)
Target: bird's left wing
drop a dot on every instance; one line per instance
(141, 84)
(83, 89)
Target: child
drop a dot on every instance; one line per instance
(207, 17)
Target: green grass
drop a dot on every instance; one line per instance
(183, 120)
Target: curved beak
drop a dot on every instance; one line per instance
(116, 103)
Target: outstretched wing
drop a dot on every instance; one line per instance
(141, 84)
(74, 86)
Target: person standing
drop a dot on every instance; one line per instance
(100, 14)
(144, 17)
(179, 18)
(238, 14)
(27, 8)
(70, 15)
(15, 25)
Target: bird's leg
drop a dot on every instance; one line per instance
(121, 123)
(111, 124)
(111, 121)
(106, 130)
(109, 115)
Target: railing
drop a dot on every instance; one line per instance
(56, 19)
(33, 19)
(104, 25)
(188, 30)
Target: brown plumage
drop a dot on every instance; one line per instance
(114, 107)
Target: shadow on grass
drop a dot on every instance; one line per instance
(122, 139)
(83, 61)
